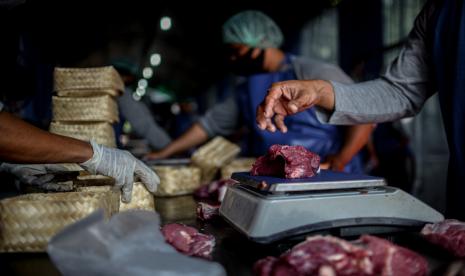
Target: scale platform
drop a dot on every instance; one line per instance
(267, 209)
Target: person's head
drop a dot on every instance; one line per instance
(252, 41)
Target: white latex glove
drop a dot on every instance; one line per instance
(33, 174)
(122, 166)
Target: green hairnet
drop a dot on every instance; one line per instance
(254, 29)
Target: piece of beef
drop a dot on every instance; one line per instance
(215, 190)
(327, 255)
(188, 240)
(264, 267)
(390, 259)
(319, 255)
(288, 162)
(449, 234)
(273, 266)
(207, 211)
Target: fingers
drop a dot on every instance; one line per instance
(263, 122)
(298, 104)
(147, 176)
(126, 190)
(270, 126)
(273, 96)
(325, 166)
(279, 121)
(260, 118)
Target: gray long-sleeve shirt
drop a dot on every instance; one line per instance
(224, 118)
(141, 120)
(399, 93)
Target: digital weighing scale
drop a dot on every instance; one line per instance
(268, 209)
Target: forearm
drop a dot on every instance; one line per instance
(356, 137)
(23, 143)
(196, 135)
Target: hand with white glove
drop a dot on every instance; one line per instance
(122, 166)
(33, 174)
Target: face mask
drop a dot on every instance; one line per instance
(246, 65)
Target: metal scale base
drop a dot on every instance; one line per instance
(267, 209)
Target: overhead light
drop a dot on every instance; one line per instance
(136, 97)
(155, 59)
(140, 91)
(142, 83)
(147, 72)
(165, 23)
(175, 109)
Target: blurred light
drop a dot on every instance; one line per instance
(140, 91)
(325, 52)
(165, 23)
(127, 128)
(407, 121)
(175, 108)
(158, 96)
(147, 72)
(142, 83)
(155, 59)
(136, 97)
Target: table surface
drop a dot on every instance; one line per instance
(234, 251)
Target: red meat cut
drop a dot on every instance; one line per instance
(318, 255)
(215, 190)
(390, 259)
(449, 234)
(207, 211)
(288, 162)
(328, 255)
(188, 240)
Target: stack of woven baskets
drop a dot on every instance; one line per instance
(85, 107)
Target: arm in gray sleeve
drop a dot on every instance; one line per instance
(1, 106)
(401, 92)
(142, 122)
(221, 119)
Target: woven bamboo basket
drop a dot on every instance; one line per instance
(88, 93)
(142, 199)
(237, 165)
(177, 180)
(29, 221)
(87, 109)
(102, 133)
(114, 197)
(98, 78)
(214, 155)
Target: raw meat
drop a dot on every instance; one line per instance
(215, 190)
(273, 266)
(288, 162)
(188, 240)
(206, 211)
(449, 234)
(390, 259)
(319, 255)
(328, 255)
